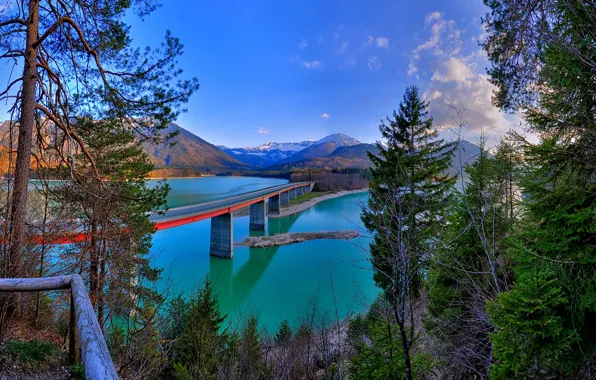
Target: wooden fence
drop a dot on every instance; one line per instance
(86, 344)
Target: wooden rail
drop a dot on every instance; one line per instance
(84, 328)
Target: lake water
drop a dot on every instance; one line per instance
(279, 282)
(189, 191)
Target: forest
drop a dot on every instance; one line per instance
(493, 278)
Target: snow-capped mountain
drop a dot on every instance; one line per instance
(338, 139)
(284, 147)
(266, 154)
(273, 153)
(322, 148)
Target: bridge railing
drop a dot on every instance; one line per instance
(241, 196)
(86, 341)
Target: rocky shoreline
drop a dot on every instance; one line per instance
(296, 237)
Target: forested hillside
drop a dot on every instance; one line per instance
(188, 153)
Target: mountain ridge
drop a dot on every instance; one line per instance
(187, 151)
(322, 148)
(189, 155)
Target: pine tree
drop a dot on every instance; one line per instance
(509, 163)
(284, 334)
(408, 189)
(468, 270)
(252, 361)
(546, 321)
(88, 43)
(555, 288)
(382, 358)
(113, 210)
(201, 341)
(413, 169)
(112, 215)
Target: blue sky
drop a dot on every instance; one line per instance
(295, 70)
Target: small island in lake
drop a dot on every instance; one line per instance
(297, 237)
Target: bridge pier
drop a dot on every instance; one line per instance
(274, 205)
(257, 216)
(292, 193)
(222, 235)
(299, 191)
(284, 198)
(307, 189)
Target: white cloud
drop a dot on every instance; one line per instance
(306, 64)
(455, 69)
(433, 16)
(456, 78)
(325, 115)
(444, 39)
(436, 94)
(374, 63)
(380, 42)
(383, 42)
(343, 47)
(263, 131)
(303, 44)
(351, 61)
(311, 64)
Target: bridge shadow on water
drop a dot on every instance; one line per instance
(234, 288)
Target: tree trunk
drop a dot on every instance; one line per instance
(101, 286)
(43, 251)
(93, 264)
(18, 209)
(406, 350)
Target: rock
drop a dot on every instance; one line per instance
(297, 237)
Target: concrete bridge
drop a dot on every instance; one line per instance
(262, 202)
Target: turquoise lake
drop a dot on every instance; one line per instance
(277, 283)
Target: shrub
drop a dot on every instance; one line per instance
(31, 352)
(77, 372)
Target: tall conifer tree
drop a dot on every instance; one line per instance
(547, 321)
(408, 189)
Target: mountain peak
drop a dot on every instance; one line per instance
(339, 139)
(284, 147)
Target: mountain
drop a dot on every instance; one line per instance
(267, 154)
(465, 154)
(190, 155)
(354, 156)
(355, 151)
(322, 148)
(284, 147)
(280, 154)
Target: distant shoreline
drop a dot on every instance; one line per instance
(213, 175)
(198, 176)
(294, 209)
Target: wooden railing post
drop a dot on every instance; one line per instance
(86, 341)
(94, 350)
(74, 354)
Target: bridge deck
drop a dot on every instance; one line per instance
(188, 214)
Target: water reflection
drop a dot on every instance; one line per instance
(275, 282)
(234, 288)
